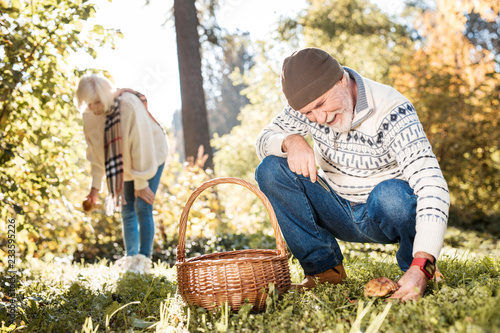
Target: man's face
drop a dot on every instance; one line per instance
(335, 108)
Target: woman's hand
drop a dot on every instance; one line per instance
(93, 196)
(90, 201)
(145, 194)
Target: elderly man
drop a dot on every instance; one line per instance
(378, 179)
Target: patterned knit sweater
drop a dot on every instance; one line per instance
(386, 141)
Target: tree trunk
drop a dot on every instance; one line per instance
(194, 110)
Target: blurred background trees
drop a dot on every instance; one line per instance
(443, 55)
(41, 140)
(356, 32)
(454, 84)
(194, 109)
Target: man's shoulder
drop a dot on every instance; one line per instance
(375, 98)
(384, 95)
(385, 99)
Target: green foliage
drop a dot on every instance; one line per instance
(61, 297)
(41, 146)
(224, 100)
(463, 133)
(205, 219)
(454, 86)
(356, 32)
(235, 155)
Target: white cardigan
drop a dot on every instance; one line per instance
(386, 141)
(145, 146)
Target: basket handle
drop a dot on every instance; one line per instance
(181, 248)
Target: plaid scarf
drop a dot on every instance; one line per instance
(113, 148)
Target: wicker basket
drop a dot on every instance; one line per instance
(234, 277)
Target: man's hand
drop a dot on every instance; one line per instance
(413, 283)
(145, 194)
(300, 156)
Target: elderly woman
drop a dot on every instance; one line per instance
(126, 144)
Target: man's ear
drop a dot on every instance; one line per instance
(343, 80)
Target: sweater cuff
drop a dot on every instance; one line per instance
(274, 144)
(430, 235)
(140, 184)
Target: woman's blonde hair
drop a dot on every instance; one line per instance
(93, 87)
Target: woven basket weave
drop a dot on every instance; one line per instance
(234, 277)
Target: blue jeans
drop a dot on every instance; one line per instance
(312, 217)
(137, 216)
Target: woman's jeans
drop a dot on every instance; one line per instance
(137, 216)
(312, 217)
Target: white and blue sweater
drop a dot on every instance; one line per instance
(386, 141)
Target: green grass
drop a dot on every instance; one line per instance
(57, 297)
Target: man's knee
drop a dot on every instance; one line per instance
(393, 199)
(268, 169)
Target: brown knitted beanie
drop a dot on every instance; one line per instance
(307, 74)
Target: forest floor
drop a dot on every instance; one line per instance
(61, 296)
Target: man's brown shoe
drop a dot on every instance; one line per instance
(333, 275)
